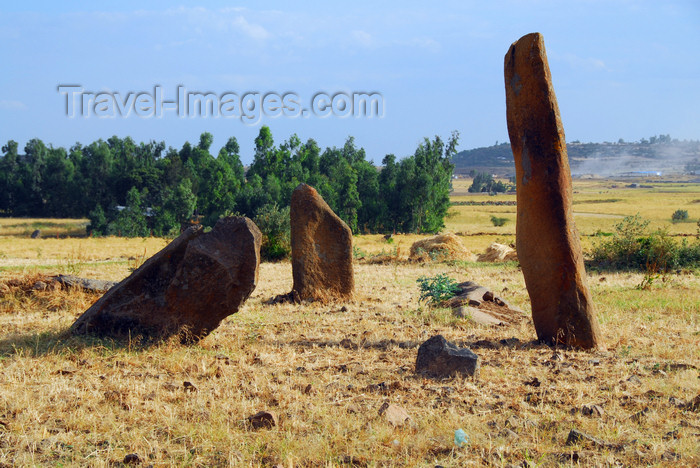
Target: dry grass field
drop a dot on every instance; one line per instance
(325, 370)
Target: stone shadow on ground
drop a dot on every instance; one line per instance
(385, 344)
(44, 343)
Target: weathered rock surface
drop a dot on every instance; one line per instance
(186, 289)
(547, 241)
(263, 420)
(321, 249)
(482, 306)
(394, 414)
(87, 284)
(498, 253)
(440, 247)
(577, 437)
(438, 357)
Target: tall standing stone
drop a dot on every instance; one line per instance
(321, 249)
(547, 241)
(186, 289)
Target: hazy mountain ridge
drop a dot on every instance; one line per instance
(657, 154)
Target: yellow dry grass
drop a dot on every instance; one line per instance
(325, 370)
(598, 205)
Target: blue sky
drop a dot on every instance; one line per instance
(621, 69)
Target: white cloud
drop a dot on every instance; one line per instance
(363, 38)
(425, 43)
(254, 31)
(581, 63)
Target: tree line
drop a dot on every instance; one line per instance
(142, 189)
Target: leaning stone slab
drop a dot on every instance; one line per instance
(86, 284)
(321, 249)
(438, 357)
(482, 306)
(547, 241)
(186, 289)
(477, 316)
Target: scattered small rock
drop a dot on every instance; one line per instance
(633, 379)
(132, 459)
(653, 395)
(224, 358)
(353, 408)
(512, 421)
(263, 420)
(535, 382)
(394, 414)
(510, 342)
(639, 415)
(674, 434)
(595, 411)
(685, 423)
(189, 386)
(673, 366)
(439, 358)
(678, 403)
(576, 437)
(556, 357)
(67, 370)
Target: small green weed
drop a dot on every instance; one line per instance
(437, 288)
(358, 253)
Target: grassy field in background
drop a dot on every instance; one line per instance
(325, 370)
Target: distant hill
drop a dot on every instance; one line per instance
(657, 154)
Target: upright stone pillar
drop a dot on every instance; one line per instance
(547, 241)
(321, 249)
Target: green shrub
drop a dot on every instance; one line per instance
(498, 221)
(438, 288)
(98, 222)
(274, 225)
(633, 247)
(679, 215)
